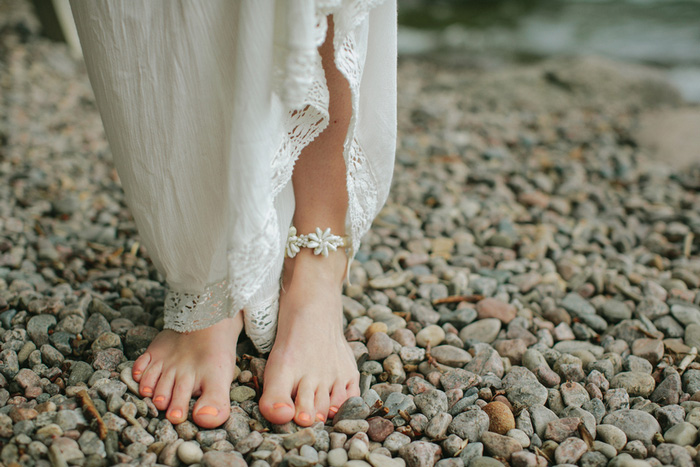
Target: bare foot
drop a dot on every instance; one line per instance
(311, 370)
(177, 366)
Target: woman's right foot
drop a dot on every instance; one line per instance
(177, 366)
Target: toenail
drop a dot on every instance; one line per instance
(147, 391)
(304, 417)
(279, 405)
(207, 410)
(320, 417)
(137, 372)
(177, 413)
(159, 399)
(333, 410)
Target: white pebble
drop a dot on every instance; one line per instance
(189, 452)
(337, 457)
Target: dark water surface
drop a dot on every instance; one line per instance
(664, 33)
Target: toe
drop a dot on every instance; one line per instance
(321, 404)
(180, 400)
(276, 402)
(338, 396)
(304, 403)
(140, 366)
(353, 387)
(150, 379)
(164, 390)
(214, 406)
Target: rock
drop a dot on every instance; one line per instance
(611, 435)
(470, 424)
(222, 459)
(337, 457)
(189, 452)
(431, 402)
(66, 449)
(523, 390)
(636, 424)
(561, 429)
(577, 305)
(486, 360)
(494, 308)
(635, 383)
(616, 311)
(420, 454)
(379, 428)
(380, 346)
(501, 418)
(670, 454)
(649, 349)
(570, 451)
(450, 355)
(38, 328)
(438, 425)
(431, 335)
(499, 445)
(520, 436)
(352, 409)
(457, 378)
(303, 437)
(242, 393)
(350, 427)
(683, 434)
(484, 330)
(669, 390)
(573, 394)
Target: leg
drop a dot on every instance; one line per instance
(171, 165)
(297, 385)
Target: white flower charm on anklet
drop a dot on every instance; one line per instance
(322, 241)
(293, 241)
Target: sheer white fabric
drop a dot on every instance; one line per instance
(207, 105)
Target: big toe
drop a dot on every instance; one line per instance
(276, 403)
(213, 406)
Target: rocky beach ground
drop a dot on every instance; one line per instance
(529, 296)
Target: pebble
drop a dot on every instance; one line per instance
(420, 454)
(570, 451)
(432, 336)
(634, 383)
(501, 418)
(494, 308)
(484, 330)
(189, 452)
(683, 434)
(611, 435)
(499, 445)
(470, 424)
(636, 424)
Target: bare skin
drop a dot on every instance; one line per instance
(311, 370)
(298, 384)
(177, 366)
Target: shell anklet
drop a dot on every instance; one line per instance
(321, 241)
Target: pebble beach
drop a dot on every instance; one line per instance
(529, 295)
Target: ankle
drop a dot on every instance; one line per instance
(310, 267)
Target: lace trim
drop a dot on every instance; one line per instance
(259, 326)
(187, 312)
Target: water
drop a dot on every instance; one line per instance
(664, 33)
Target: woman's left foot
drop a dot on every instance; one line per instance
(311, 369)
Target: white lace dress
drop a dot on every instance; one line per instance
(206, 105)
